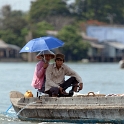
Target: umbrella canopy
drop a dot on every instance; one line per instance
(41, 44)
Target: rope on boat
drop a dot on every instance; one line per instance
(9, 108)
(25, 107)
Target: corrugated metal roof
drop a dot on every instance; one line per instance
(88, 37)
(14, 47)
(116, 45)
(95, 45)
(5, 45)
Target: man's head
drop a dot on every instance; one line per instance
(59, 59)
(60, 56)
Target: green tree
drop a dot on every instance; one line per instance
(42, 8)
(110, 11)
(54, 12)
(13, 26)
(74, 48)
(41, 28)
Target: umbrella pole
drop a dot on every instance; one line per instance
(44, 57)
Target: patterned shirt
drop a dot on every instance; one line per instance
(55, 77)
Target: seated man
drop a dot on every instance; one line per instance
(55, 78)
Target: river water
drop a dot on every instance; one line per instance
(105, 78)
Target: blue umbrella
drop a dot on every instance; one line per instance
(41, 44)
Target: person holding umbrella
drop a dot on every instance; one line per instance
(45, 44)
(38, 81)
(55, 84)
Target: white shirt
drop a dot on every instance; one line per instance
(55, 77)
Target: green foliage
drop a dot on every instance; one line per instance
(40, 9)
(13, 27)
(102, 10)
(74, 47)
(53, 15)
(11, 38)
(41, 28)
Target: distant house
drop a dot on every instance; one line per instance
(108, 44)
(95, 52)
(8, 51)
(106, 33)
(114, 50)
(52, 32)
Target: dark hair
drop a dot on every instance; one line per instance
(59, 58)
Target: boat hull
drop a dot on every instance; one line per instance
(76, 109)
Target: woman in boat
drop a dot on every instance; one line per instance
(38, 81)
(55, 84)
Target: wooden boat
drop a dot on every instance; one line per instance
(121, 63)
(88, 108)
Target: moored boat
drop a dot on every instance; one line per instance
(121, 63)
(81, 108)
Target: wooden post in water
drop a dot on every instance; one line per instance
(30, 56)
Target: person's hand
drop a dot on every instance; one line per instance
(80, 86)
(45, 65)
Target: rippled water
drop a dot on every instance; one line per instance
(107, 78)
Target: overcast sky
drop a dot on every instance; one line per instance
(23, 5)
